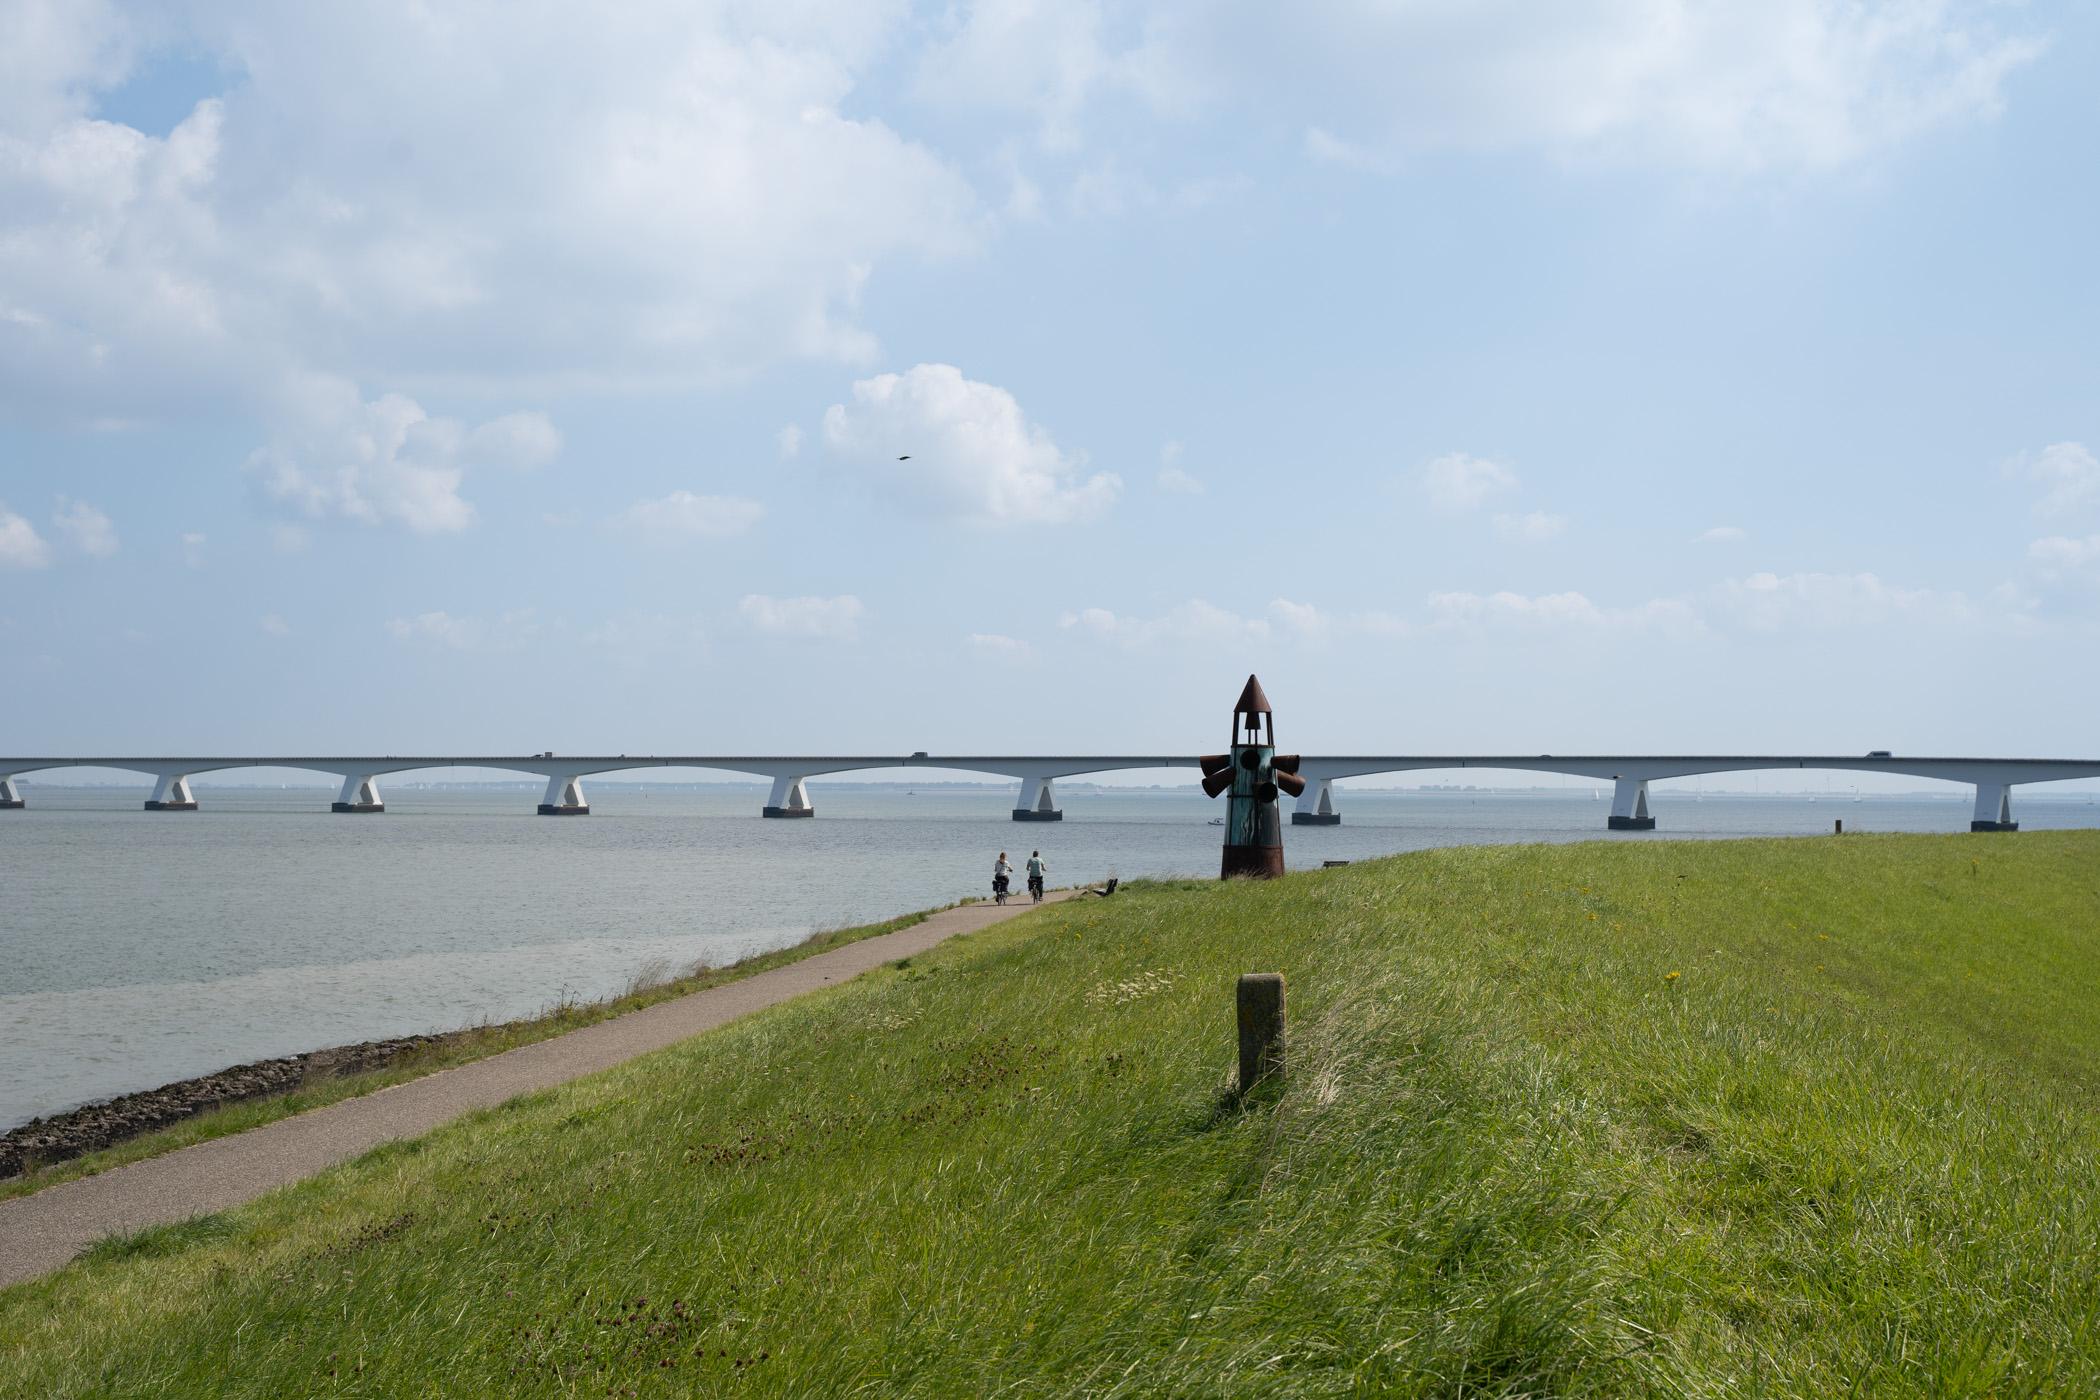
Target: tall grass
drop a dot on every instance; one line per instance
(1802, 1117)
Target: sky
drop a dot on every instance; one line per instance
(811, 376)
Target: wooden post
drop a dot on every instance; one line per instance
(1840, 827)
(1261, 1027)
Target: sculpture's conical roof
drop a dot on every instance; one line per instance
(1252, 701)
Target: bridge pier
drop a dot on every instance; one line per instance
(1316, 805)
(1629, 806)
(788, 798)
(1993, 808)
(171, 793)
(10, 795)
(360, 794)
(1038, 802)
(564, 797)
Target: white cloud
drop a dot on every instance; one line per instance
(1202, 623)
(790, 440)
(1458, 482)
(1193, 621)
(288, 539)
(1721, 534)
(1045, 58)
(443, 630)
(193, 549)
(682, 516)
(1770, 602)
(21, 547)
(994, 646)
(837, 619)
(1569, 611)
(1738, 86)
(88, 528)
(1310, 623)
(491, 198)
(2069, 475)
(519, 440)
(973, 454)
(1533, 527)
(386, 461)
(274, 626)
(2061, 556)
(1173, 478)
(1325, 148)
(1176, 482)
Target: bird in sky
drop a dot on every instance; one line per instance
(905, 458)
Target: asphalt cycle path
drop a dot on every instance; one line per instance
(41, 1232)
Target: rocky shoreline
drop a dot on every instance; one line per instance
(41, 1142)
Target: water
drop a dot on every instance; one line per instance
(137, 947)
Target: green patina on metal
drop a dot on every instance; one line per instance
(1253, 773)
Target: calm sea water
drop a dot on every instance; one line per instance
(137, 948)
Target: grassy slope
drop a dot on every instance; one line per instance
(1851, 1146)
(455, 1048)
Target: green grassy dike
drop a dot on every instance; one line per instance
(1758, 1117)
(446, 1051)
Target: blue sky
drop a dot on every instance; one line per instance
(1661, 376)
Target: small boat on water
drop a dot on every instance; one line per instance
(1215, 821)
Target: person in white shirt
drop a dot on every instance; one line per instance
(1002, 875)
(1036, 871)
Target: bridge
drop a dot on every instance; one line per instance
(1630, 775)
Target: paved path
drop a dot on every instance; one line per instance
(41, 1232)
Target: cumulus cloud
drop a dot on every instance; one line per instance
(1737, 86)
(789, 440)
(1569, 611)
(1533, 527)
(2069, 476)
(385, 460)
(1458, 482)
(1770, 602)
(973, 454)
(835, 619)
(682, 516)
(21, 547)
(86, 528)
(508, 199)
(1721, 534)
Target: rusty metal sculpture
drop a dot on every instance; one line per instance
(1253, 773)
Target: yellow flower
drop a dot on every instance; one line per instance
(1672, 976)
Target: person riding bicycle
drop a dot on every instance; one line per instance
(1002, 874)
(1036, 871)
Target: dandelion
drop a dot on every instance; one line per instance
(1672, 976)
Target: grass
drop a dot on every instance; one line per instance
(1848, 1147)
(653, 982)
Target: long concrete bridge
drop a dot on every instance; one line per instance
(1993, 778)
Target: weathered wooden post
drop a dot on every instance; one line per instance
(1840, 827)
(1261, 1027)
